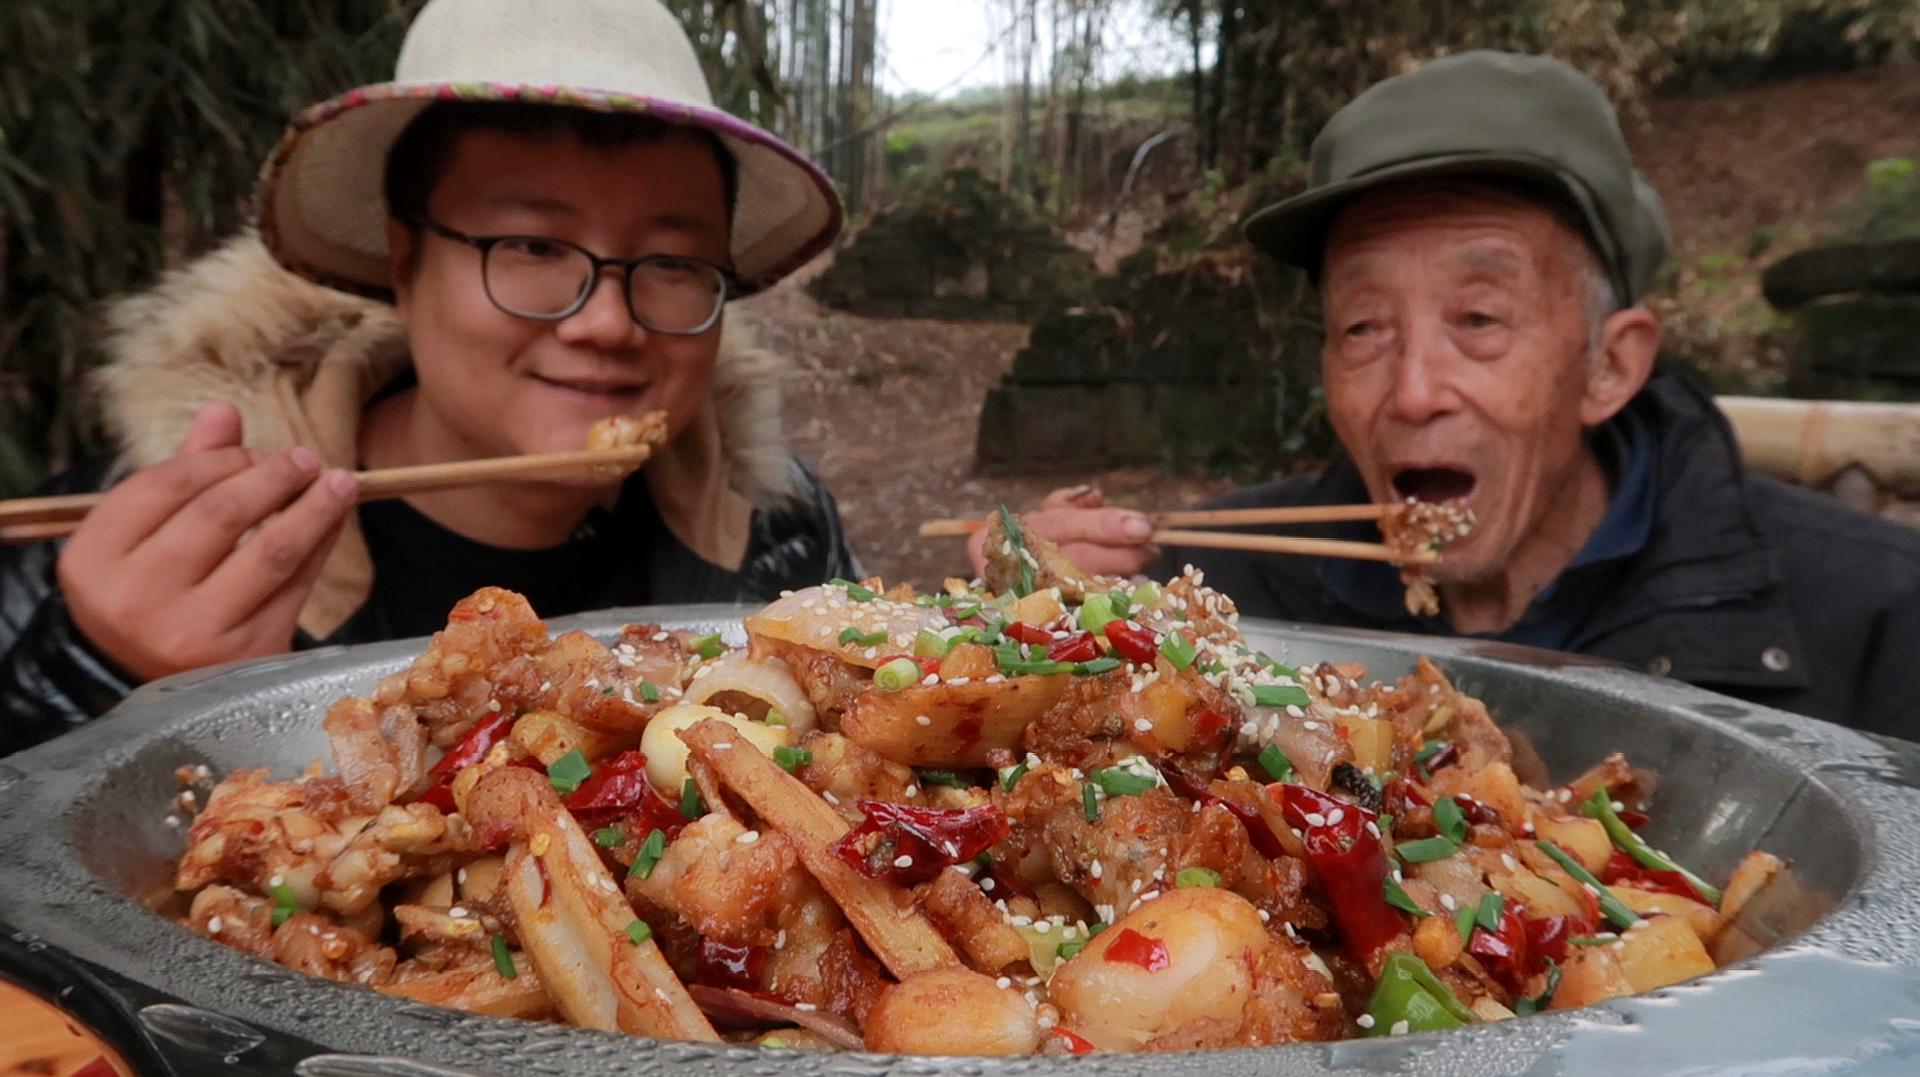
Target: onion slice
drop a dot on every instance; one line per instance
(766, 679)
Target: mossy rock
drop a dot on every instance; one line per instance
(961, 249)
(1866, 347)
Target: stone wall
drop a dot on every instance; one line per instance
(1856, 314)
(1210, 365)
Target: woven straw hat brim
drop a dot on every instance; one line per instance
(323, 208)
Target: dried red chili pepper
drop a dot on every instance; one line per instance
(723, 965)
(1351, 862)
(617, 789)
(1129, 947)
(1622, 868)
(470, 749)
(1186, 784)
(1075, 1044)
(1210, 723)
(1402, 793)
(1133, 642)
(1547, 938)
(911, 845)
(1078, 647)
(1504, 953)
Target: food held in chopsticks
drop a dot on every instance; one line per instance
(991, 820)
(1416, 526)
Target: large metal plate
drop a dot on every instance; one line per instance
(84, 836)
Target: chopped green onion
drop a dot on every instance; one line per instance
(896, 675)
(1275, 763)
(1096, 613)
(639, 931)
(1089, 804)
(1419, 852)
(1196, 877)
(1214, 666)
(1119, 783)
(691, 806)
(1279, 695)
(1428, 750)
(609, 837)
(1017, 542)
(649, 692)
(1385, 823)
(503, 958)
(1119, 603)
(1463, 920)
(1097, 928)
(1288, 672)
(567, 772)
(1611, 907)
(1071, 947)
(851, 634)
(707, 646)
(284, 903)
(854, 590)
(1106, 663)
(1600, 806)
(1012, 777)
(929, 644)
(1398, 897)
(1593, 940)
(943, 777)
(651, 851)
(1147, 594)
(790, 758)
(1177, 650)
(1451, 821)
(776, 716)
(1491, 906)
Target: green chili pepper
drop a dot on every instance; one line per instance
(1600, 806)
(1410, 999)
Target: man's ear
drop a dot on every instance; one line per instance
(1620, 365)
(402, 250)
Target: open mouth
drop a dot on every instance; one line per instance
(1433, 484)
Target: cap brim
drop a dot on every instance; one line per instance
(1295, 230)
(323, 207)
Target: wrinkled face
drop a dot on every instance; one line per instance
(1455, 358)
(497, 384)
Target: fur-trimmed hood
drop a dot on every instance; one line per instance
(300, 361)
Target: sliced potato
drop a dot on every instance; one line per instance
(1662, 951)
(1371, 740)
(1704, 921)
(1589, 976)
(1747, 879)
(1493, 785)
(1579, 837)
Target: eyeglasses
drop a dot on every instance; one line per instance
(549, 280)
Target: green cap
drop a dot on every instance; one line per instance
(1480, 114)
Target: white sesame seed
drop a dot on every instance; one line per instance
(903, 861)
(1447, 902)
(1399, 1028)
(1042, 926)
(1334, 816)
(722, 745)
(827, 795)
(959, 680)
(1141, 725)
(1149, 895)
(805, 1007)
(1314, 818)
(1365, 1020)
(1265, 916)
(458, 912)
(930, 679)
(213, 926)
(987, 884)
(1003, 982)
(747, 837)
(913, 791)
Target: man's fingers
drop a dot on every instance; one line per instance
(137, 507)
(1122, 561)
(217, 426)
(283, 548)
(199, 536)
(1100, 527)
(1083, 496)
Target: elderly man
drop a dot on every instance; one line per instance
(1483, 246)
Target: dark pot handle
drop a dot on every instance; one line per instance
(157, 1034)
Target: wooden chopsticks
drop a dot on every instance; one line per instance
(1168, 531)
(32, 519)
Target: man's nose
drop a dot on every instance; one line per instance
(1420, 390)
(604, 321)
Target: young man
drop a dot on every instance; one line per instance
(1482, 244)
(545, 216)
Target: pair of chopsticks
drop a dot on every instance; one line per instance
(33, 519)
(1172, 529)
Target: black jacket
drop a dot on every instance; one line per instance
(51, 679)
(1746, 586)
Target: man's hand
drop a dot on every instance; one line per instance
(158, 578)
(1098, 540)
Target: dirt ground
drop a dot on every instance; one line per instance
(886, 409)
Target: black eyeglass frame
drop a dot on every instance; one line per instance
(729, 281)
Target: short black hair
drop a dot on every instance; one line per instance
(422, 154)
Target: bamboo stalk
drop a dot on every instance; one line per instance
(33, 519)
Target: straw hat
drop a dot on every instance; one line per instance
(323, 211)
